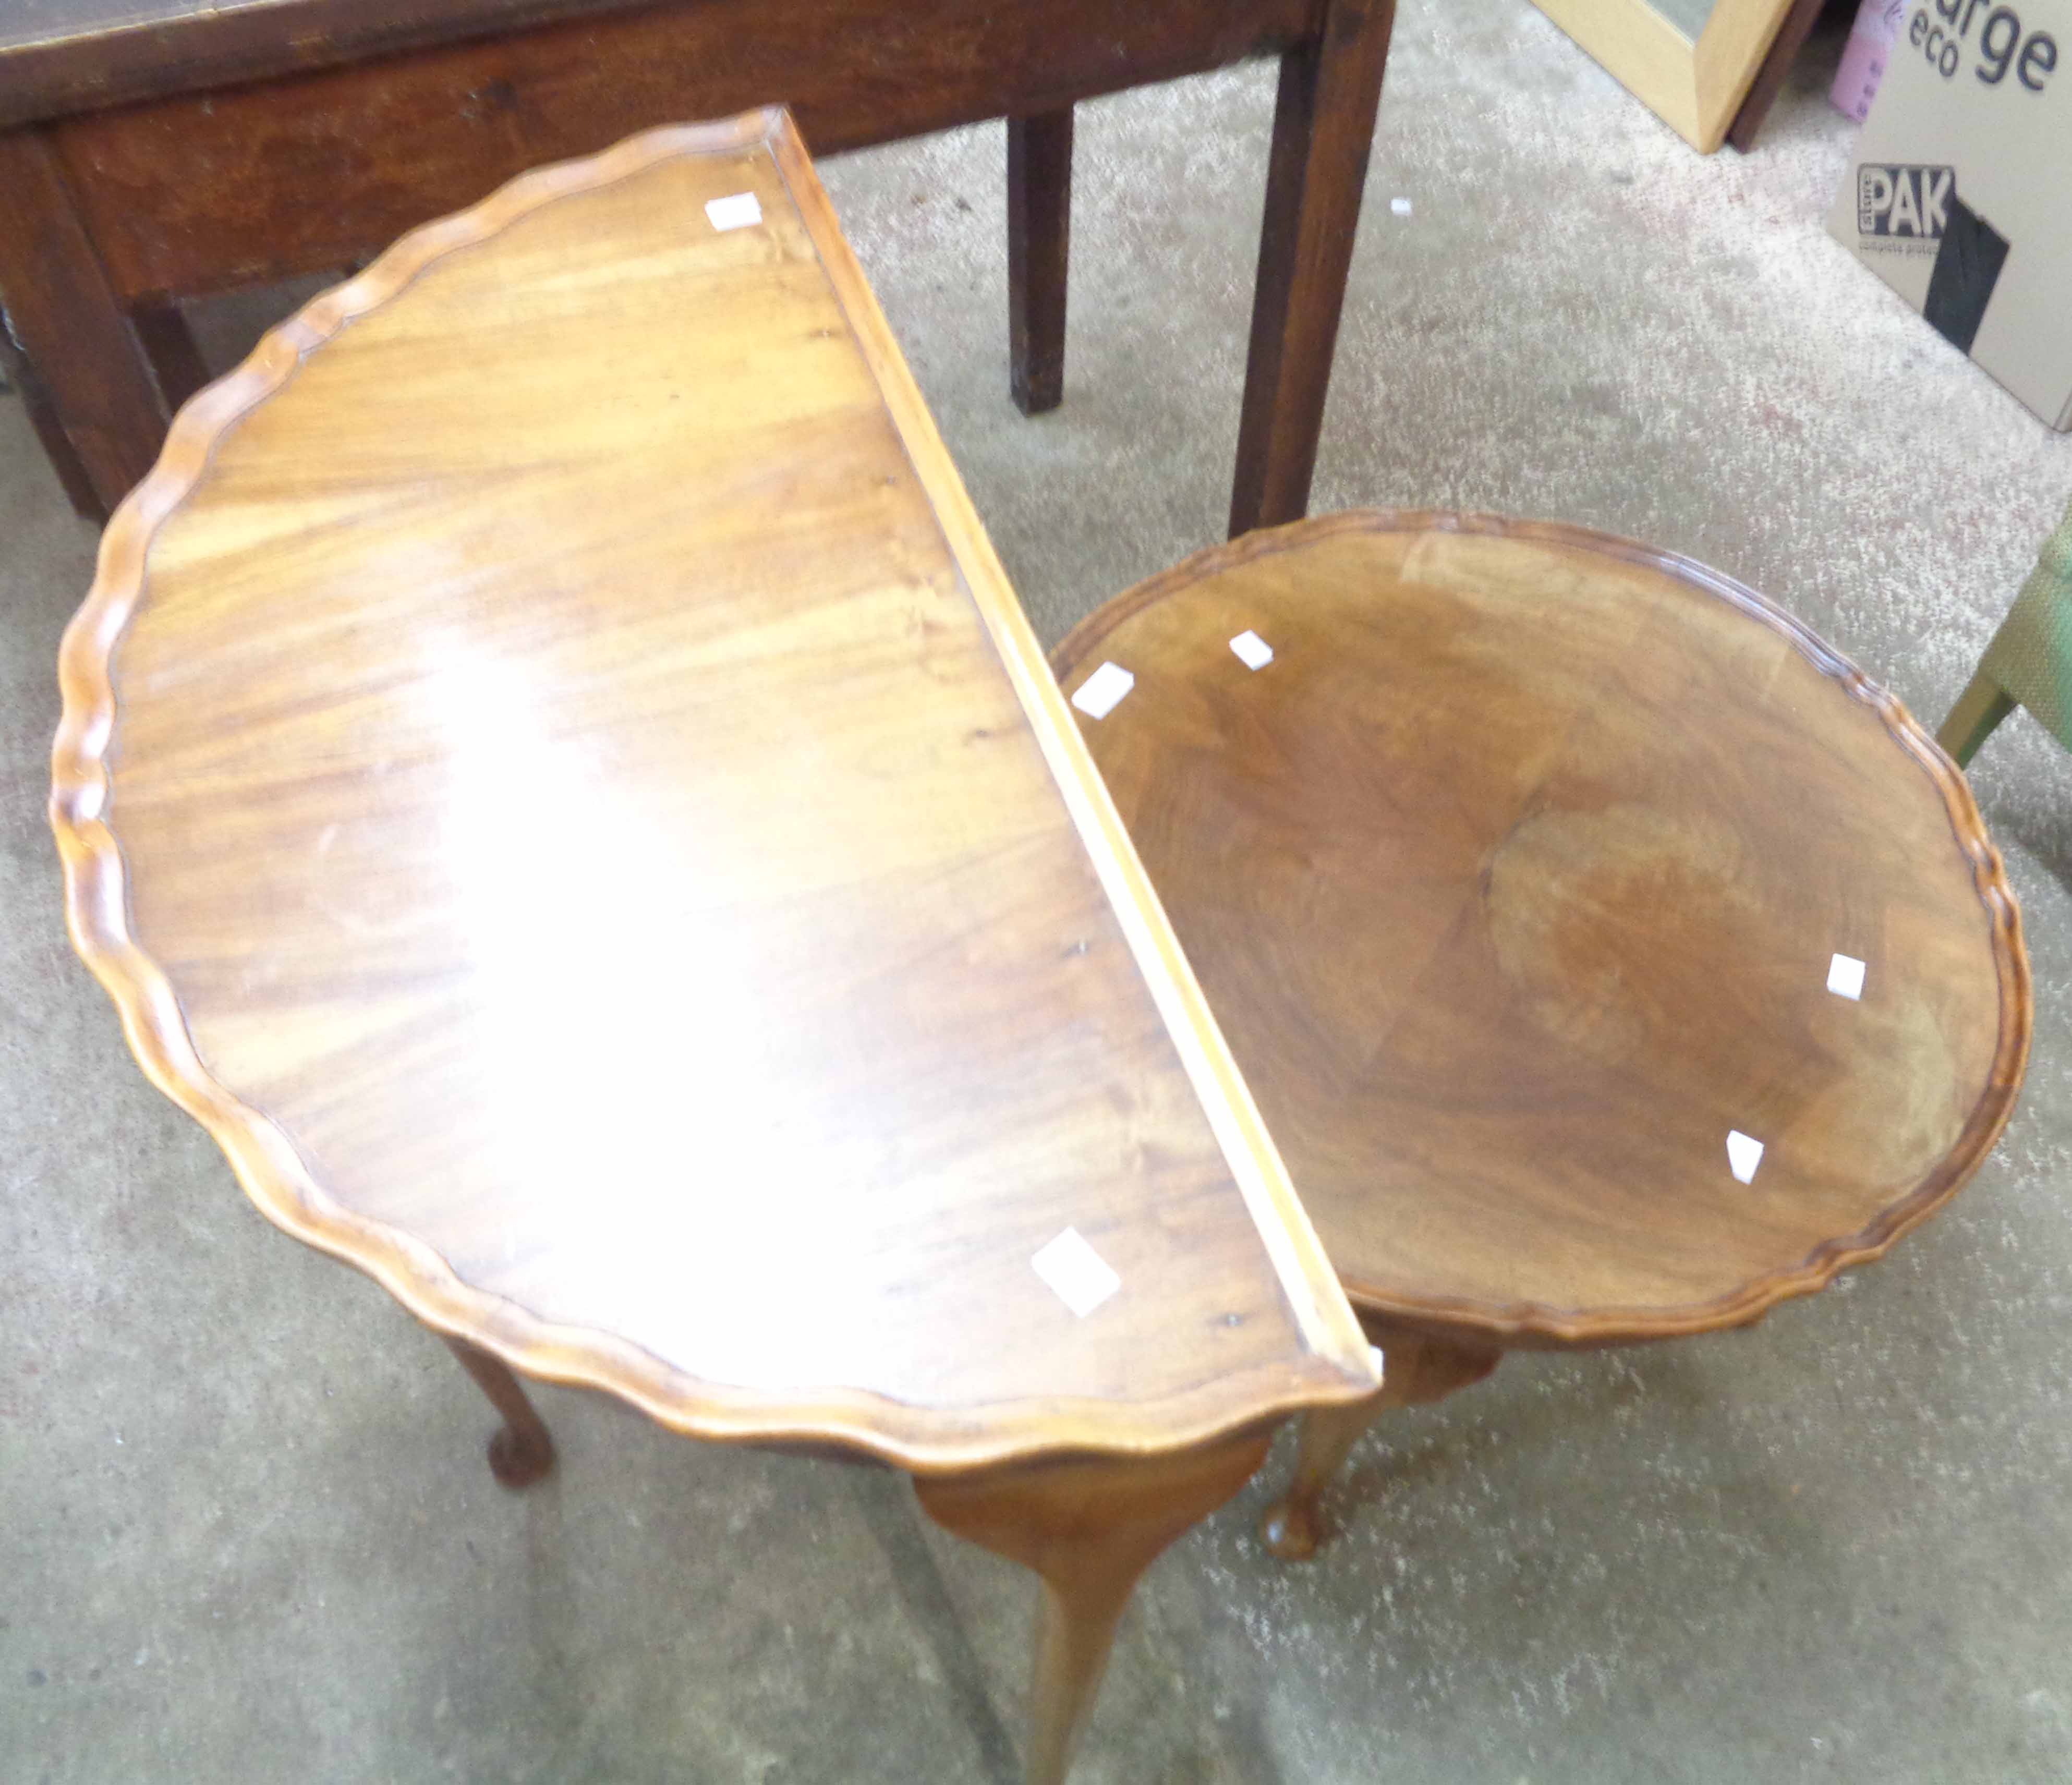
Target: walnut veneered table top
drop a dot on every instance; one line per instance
(1608, 957)
(555, 781)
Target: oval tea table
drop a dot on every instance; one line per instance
(1611, 960)
(555, 780)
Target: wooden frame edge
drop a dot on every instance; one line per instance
(1642, 50)
(216, 47)
(1539, 1322)
(923, 1440)
(1694, 87)
(1728, 57)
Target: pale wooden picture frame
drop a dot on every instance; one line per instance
(1695, 86)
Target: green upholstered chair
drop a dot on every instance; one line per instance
(2029, 661)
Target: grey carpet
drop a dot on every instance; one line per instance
(247, 1534)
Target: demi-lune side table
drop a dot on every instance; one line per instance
(1610, 959)
(555, 780)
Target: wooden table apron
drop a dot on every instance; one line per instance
(196, 151)
(642, 898)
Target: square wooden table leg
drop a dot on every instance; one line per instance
(175, 355)
(1039, 216)
(1088, 1528)
(43, 416)
(1323, 127)
(87, 366)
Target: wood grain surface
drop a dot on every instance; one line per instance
(59, 58)
(1515, 879)
(555, 780)
(205, 191)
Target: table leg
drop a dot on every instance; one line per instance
(1323, 127)
(1415, 1368)
(175, 353)
(1981, 707)
(1039, 216)
(44, 418)
(60, 309)
(520, 1453)
(1088, 1528)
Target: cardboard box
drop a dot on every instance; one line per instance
(1959, 192)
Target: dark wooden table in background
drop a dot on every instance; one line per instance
(155, 150)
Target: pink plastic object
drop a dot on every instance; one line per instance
(1871, 39)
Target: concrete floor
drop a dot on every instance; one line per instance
(247, 1534)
